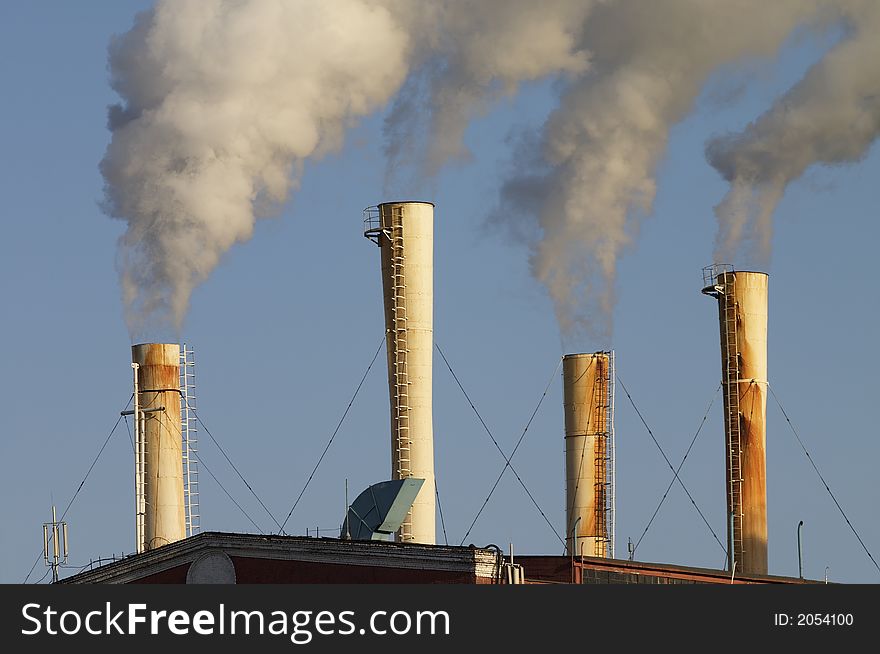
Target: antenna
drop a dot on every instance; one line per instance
(55, 535)
(346, 532)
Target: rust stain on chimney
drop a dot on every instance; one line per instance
(742, 311)
(585, 380)
(159, 383)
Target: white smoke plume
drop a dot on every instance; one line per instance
(222, 103)
(479, 51)
(581, 184)
(832, 116)
(599, 150)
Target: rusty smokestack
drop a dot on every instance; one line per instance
(160, 483)
(588, 382)
(404, 232)
(742, 314)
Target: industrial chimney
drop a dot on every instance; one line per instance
(160, 516)
(588, 400)
(742, 313)
(404, 232)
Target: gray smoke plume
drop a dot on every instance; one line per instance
(832, 116)
(600, 148)
(479, 52)
(581, 184)
(222, 103)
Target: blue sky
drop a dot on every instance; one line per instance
(285, 327)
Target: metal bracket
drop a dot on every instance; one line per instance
(131, 413)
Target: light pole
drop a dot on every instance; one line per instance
(800, 552)
(573, 545)
(574, 536)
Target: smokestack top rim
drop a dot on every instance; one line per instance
(382, 204)
(581, 355)
(716, 289)
(751, 272)
(156, 354)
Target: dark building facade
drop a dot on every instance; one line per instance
(216, 557)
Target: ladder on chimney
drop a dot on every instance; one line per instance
(730, 375)
(604, 472)
(188, 449)
(140, 455)
(611, 449)
(399, 357)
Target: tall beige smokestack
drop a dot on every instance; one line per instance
(158, 382)
(742, 311)
(406, 239)
(587, 382)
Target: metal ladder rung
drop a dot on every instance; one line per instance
(399, 371)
